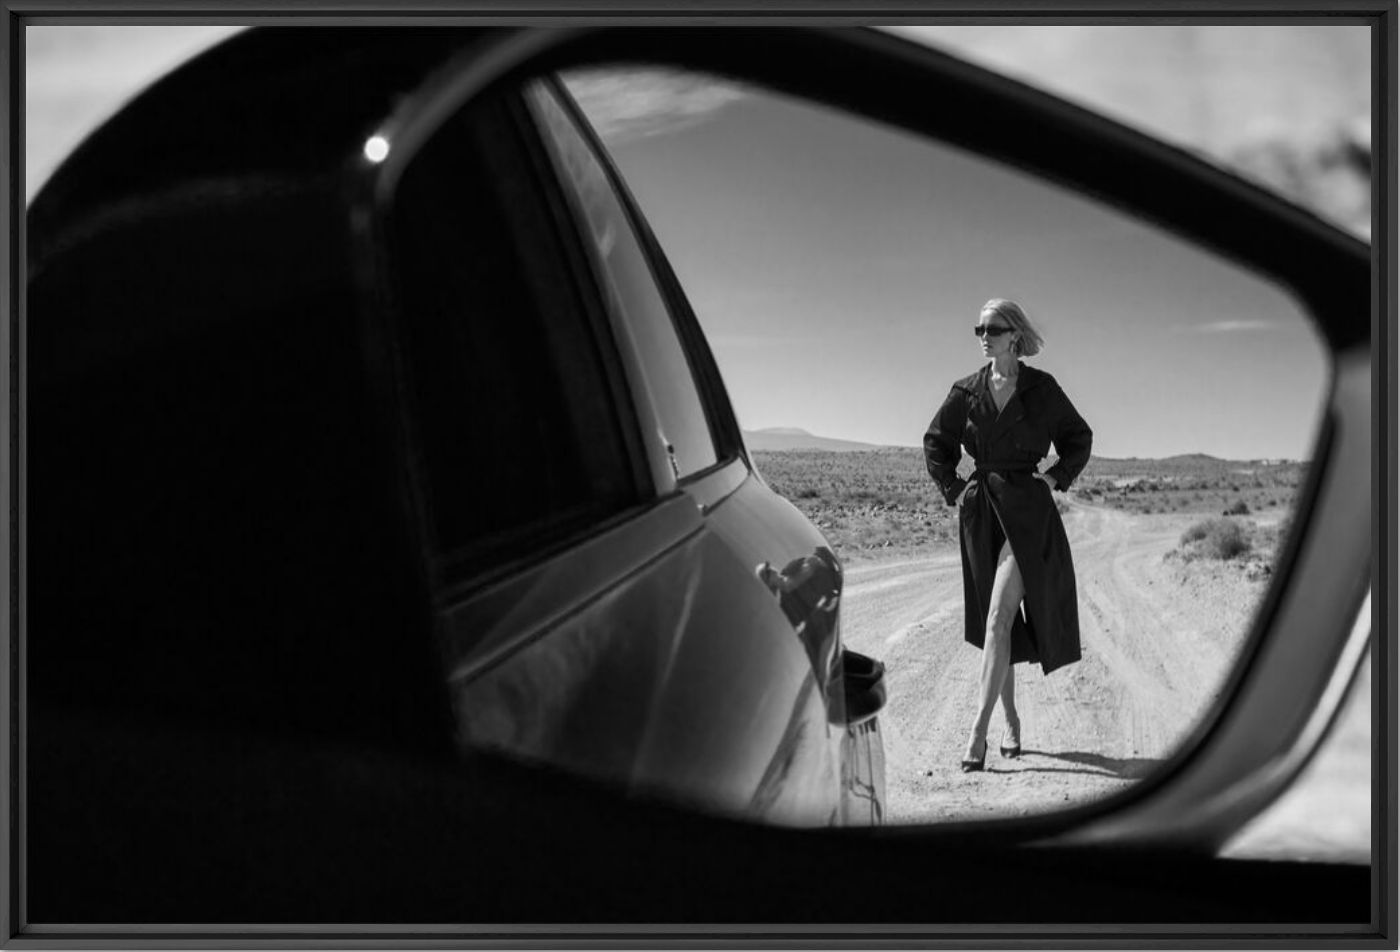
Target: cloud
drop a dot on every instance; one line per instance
(1232, 327)
(631, 103)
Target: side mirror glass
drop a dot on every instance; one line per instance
(837, 267)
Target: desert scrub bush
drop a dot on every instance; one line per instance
(1238, 508)
(1268, 540)
(1221, 539)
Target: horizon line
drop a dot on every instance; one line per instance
(796, 431)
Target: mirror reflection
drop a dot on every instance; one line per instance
(1096, 485)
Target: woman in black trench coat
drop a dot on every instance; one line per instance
(1014, 551)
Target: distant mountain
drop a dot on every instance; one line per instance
(1195, 459)
(792, 438)
(1181, 461)
(1187, 463)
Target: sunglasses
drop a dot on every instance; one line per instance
(988, 329)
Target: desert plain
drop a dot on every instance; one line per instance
(1172, 559)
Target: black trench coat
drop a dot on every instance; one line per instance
(1008, 501)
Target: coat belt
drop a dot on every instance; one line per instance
(982, 469)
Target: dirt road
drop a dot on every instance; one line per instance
(1158, 641)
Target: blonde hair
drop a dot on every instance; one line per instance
(1029, 342)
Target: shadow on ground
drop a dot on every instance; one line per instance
(1096, 765)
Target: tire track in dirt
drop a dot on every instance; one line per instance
(1117, 631)
(1152, 662)
(903, 616)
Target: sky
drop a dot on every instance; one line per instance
(77, 76)
(837, 267)
(1216, 87)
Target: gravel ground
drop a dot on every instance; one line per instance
(1159, 637)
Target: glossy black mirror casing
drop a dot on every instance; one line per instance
(1303, 649)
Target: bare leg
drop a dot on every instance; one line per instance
(1007, 591)
(1012, 737)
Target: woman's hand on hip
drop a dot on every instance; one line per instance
(1047, 480)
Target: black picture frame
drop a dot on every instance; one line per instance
(1382, 16)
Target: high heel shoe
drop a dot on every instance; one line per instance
(970, 766)
(1012, 750)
